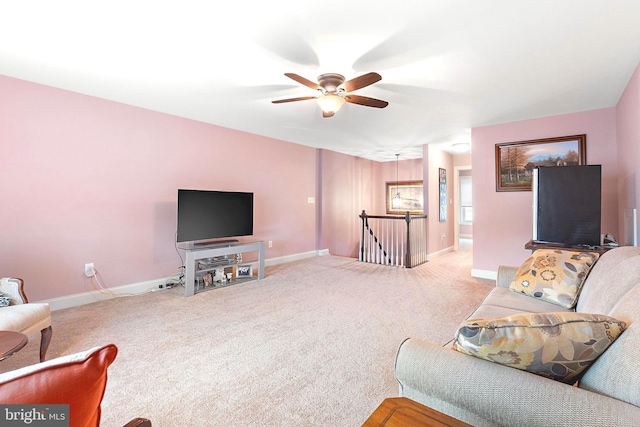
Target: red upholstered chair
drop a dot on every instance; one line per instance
(78, 380)
(25, 317)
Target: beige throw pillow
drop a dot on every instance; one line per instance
(559, 345)
(554, 275)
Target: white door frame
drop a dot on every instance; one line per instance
(456, 205)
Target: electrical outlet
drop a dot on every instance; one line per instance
(89, 270)
(270, 243)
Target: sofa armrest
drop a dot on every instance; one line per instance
(485, 393)
(505, 275)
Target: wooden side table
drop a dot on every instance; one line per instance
(11, 343)
(403, 412)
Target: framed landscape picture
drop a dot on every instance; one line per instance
(411, 195)
(442, 181)
(515, 161)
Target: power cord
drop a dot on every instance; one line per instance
(170, 283)
(181, 268)
(98, 286)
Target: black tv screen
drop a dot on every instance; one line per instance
(209, 215)
(567, 204)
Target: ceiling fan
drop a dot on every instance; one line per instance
(334, 91)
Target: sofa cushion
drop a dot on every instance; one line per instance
(78, 380)
(504, 300)
(617, 372)
(616, 273)
(26, 318)
(558, 345)
(554, 275)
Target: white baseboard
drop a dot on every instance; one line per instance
(83, 298)
(295, 257)
(484, 274)
(440, 252)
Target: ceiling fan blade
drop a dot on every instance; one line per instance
(302, 98)
(365, 100)
(362, 81)
(303, 81)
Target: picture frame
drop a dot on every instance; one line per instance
(442, 181)
(515, 161)
(207, 280)
(411, 193)
(244, 271)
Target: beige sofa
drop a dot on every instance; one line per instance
(483, 393)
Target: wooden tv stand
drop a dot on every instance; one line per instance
(221, 255)
(533, 245)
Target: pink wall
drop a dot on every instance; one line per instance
(460, 160)
(503, 220)
(438, 159)
(349, 186)
(88, 180)
(628, 133)
(408, 170)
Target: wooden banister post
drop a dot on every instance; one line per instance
(407, 257)
(363, 215)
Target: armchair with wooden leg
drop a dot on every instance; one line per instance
(22, 316)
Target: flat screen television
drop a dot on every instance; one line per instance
(567, 204)
(209, 215)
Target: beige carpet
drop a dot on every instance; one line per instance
(313, 344)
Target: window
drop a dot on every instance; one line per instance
(466, 206)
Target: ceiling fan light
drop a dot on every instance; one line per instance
(330, 103)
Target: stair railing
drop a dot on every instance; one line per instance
(393, 239)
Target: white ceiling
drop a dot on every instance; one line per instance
(446, 65)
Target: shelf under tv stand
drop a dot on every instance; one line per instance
(210, 253)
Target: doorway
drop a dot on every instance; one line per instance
(462, 208)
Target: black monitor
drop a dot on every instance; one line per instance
(210, 215)
(567, 204)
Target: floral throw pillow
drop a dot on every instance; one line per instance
(554, 275)
(4, 300)
(560, 345)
